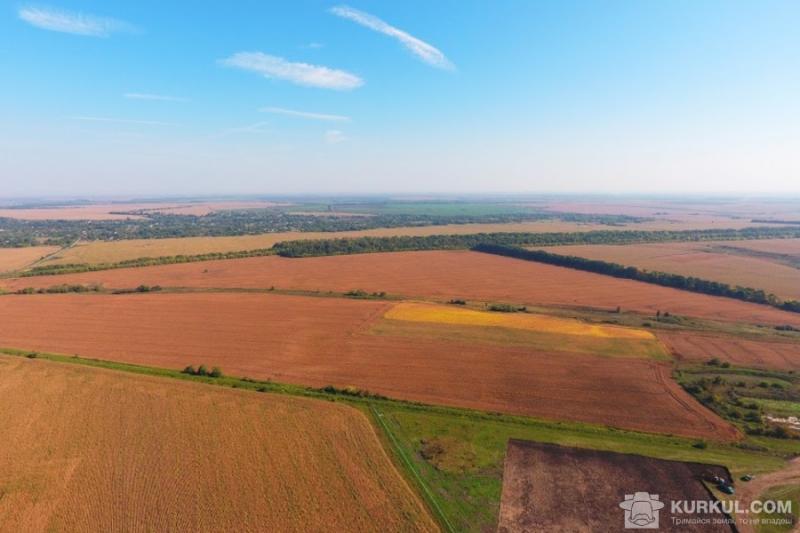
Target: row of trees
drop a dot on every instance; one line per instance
(677, 281)
(306, 248)
(151, 225)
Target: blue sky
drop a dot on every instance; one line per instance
(146, 97)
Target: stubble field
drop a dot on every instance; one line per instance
(321, 341)
(702, 260)
(102, 450)
(434, 274)
(17, 258)
(699, 347)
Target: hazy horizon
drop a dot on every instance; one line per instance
(146, 99)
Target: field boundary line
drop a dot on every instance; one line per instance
(426, 491)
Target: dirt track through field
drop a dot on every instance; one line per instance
(436, 274)
(87, 449)
(698, 347)
(16, 258)
(752, 490)
(322, 341)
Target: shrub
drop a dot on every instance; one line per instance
(189, 370)
(216, 372)
(700, 445)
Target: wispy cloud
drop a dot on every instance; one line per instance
(426, 52)
(334, 137)
(150, 96)
(121, 120)
(313, 45)
(304, 114)
(298, 73)
(258, 127)
(74, 23)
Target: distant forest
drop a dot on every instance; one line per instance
(306, 248)
(20, 233)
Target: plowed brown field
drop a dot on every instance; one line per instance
(14, 258)
(547, 487)
(87, 449)
(437, 274)
(737, 351)
(321, 341)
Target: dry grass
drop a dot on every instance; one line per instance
(702, 260)
(441, 314)
(86, 449)
(17, 258)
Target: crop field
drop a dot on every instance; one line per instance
(712, 261)
(101, 450)
(790, 247)
(319, 341)
(442, 314)
(112, 211)
(554, 488)
(17, 258)
(114, 251)
(697, 347)
(434, 274)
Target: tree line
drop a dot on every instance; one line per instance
(320, 247)
(616, 270)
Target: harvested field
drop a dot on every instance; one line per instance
(111, 211)
(790, 247)
(87, 449)
(543, 341)
(322, 341)
(17, 258)
(712, 261)
(697, 347)
(114, 251)
(434, 274)
(547, 487)
(441, 314)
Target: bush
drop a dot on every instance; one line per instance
(189, 370)
(216, 372)
(700, 445)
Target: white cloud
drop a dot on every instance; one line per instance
(305, 114)
(334, 137)
(426, 52)
(258, 127)
(298, 73)
(313, 45)
(74, 23)
(149, 96)
(122, 120)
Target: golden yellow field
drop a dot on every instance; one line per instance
(86, 449)
(441, 314)
(113, 251)
(16, 258)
